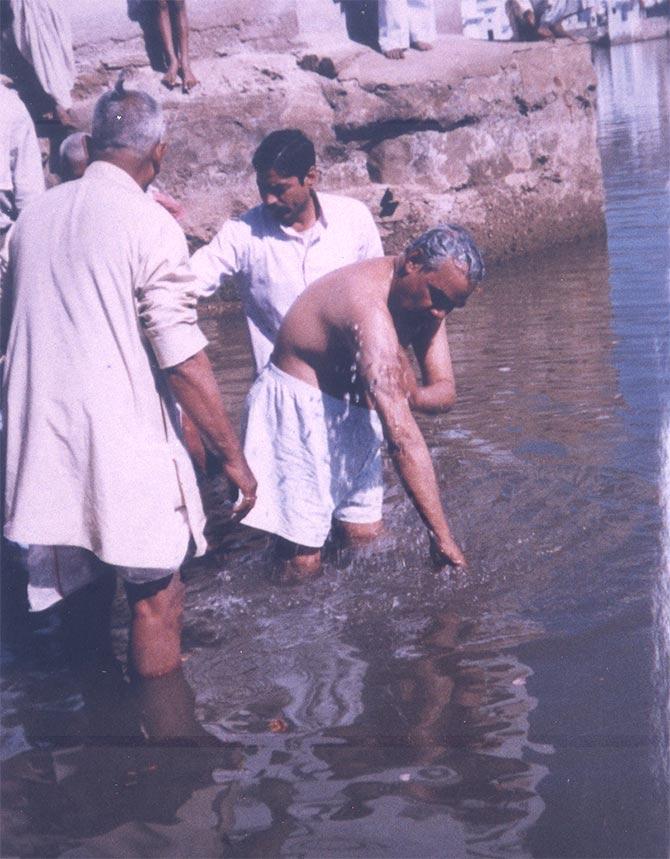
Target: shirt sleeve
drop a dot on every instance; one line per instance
(167, 296)
(222, 257)
(371, 243)
(27, 173)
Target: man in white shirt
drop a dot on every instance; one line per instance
(103, 339)
(21, 174)
(294, 237)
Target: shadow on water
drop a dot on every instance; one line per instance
(388, 709)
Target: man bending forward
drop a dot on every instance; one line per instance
(340, 381)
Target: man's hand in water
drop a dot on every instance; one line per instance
(242, 480)
(446, 552)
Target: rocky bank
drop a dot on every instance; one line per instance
(498, 136)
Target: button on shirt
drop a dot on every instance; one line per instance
(21, 175)
(273, 264)
(102, 300)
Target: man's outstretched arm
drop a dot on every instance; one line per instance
(380, 367)
(194, 386)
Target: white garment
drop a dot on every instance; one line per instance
(314, 456)
(274, 264)
(405, 21)
(21, 174)
(43, 35)
(101, 294)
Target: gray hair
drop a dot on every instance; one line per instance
(73, 150)
(448, 241)
(127, 119)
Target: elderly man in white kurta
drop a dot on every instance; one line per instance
(21, 174)
(294, 237)
(103, 333)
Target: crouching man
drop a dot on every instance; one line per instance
(339, 382)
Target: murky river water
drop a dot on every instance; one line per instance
(388, 710)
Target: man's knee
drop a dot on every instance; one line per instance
(165, 605)
(357, 532)
(295, 563)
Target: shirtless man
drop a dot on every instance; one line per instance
(340, 381)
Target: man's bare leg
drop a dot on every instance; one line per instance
(295, 564)
(357, 532)
(155, 629)
(169, 79)
(188, 78)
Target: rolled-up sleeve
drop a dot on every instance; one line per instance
(222, 257)
(167, 299)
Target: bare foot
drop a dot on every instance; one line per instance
(169, 79)
(395, 54)
(286, 573)
(422, 46)
(189, 80)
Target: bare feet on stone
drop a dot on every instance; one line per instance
(395, 54)
(189, 80)
(169, 79)
(422, 46)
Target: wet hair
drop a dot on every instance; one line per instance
(447, 241)
(127, 119)
(288, 151)
(72, 152)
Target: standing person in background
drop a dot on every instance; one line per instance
(294, 237)
(103, 340)
(173, 20)
(21, 173)
(43, 36)
(406, 24)
(73, 159)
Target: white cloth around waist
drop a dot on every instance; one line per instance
(315, 457)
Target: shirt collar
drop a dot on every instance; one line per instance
(111, 173)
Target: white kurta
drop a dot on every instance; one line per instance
(21, 174)
(102, 297)
(43, 34)
(274, 264)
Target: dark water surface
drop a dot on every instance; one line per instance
(389, 710)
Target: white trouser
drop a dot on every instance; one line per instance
(405, 21)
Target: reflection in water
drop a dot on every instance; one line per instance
(439, 741)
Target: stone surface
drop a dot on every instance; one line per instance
(497, 136)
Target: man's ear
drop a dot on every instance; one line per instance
(413, 261)
(157, 155)
(311, 177)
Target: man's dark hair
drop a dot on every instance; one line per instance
(287, 151)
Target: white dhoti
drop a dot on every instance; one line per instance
(315, 458)
(43, 36)
(402, 22)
